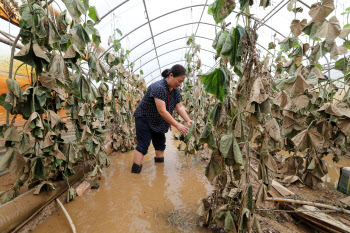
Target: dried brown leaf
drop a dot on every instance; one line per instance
(297, 26)
(258, 93)
(309, 138)
(319, 11)
(330, 109)
(329, 30)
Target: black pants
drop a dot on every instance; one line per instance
(144, 135)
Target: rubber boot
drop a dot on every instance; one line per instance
(136, 168)
(159, 160)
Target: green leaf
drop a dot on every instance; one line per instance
(75, 8)
(346, 44)
(342, 65)
(216, 83)
(79, 36)
(96, 38)
(141, 72)
(226, 146)
(215, 114)
(221, 42)
(89, 27)
(220, 9)
(229, 222)
(190, 40)
(119, 32)
(207, 136)
(215, 42)
(272, 45)
(288, 43)
(243, 4)
(94, 15)
(347, 25)
(311, 29)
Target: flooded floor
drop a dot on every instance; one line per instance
(163, 198)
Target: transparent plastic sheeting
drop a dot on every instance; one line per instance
(132, 15)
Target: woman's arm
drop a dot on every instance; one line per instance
(168, 118)
(182, 112)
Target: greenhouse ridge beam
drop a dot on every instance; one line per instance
(167, 53)
(150, 28)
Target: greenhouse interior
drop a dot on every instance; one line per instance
(246, 104)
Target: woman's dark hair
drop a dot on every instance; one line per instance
(177, 70)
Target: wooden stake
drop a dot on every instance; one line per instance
(310, 203)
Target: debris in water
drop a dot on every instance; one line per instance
(95, 186)
(82, 188)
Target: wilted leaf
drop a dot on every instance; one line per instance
(330, 109)
(44, 185)
(261, 195)
(344, 33)
(296, 85)
(329, 30)
(214, 167)
(230, 225)
(207, 136)
(270, 162)
(12, 160)
(281, 99)
(288, 180)
(309, 138)
(220, 9)
(297, 103)
(344, 125)
(297, 26)
(319, 11)
(258, 93)
(273, 129)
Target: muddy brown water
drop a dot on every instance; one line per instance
(163, 198)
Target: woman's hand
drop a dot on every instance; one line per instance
(182, 129)
(190, 122)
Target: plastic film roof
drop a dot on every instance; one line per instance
(172, 22)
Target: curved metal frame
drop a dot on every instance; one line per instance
(169, 43)
(262, 22)
(150, 28)
(165, 66)
(167, 53)
(181, 25)
(189, 47)
(180, 9)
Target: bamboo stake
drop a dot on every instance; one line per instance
(67, 215)
(310, 203)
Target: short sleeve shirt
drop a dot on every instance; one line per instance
(148, 108)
